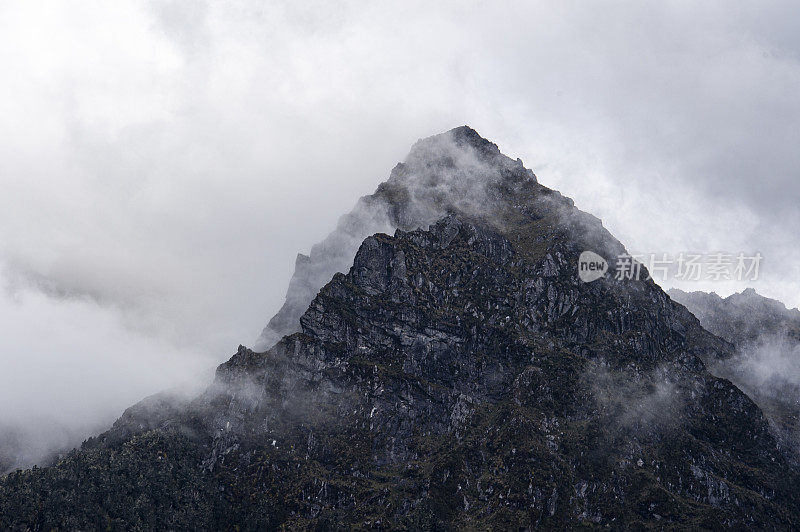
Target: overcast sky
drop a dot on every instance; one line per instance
(161, 163)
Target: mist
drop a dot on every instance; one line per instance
(70, 367)
(162, 163)
(771, 365)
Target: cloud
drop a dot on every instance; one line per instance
(70, 366)
(162, 163)
(637, 399)
(767, 370)
(769, 365)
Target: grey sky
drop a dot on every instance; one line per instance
(162, 163)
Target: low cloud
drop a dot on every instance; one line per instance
(71, 367)
(162, 163)
(768, 368)
(635, 399)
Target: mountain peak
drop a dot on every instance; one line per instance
(741, 318)
(458, 147)
(456, 373)
(750, 297)
(455, 171)
(460, 135)
(466, 136)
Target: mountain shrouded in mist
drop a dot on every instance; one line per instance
(767, 363)
(454, 374)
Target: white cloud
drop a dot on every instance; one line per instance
(70, 366)
(168, 160)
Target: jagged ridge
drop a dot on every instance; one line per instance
(767, 337)
(459, 376)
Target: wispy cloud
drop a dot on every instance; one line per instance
(162, 163)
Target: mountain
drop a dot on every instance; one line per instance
(767, 363)
(456, 374)
(458, 171)
(742, 319)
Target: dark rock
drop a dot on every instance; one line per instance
(459, 375)
(767, 363)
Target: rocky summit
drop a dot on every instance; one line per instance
(456, 373)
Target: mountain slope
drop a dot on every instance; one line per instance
(767, 363)
(742, 318)
(459, 375)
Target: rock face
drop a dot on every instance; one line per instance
(767, 363)
(455, 170)
(457, 375)
(742, 318)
